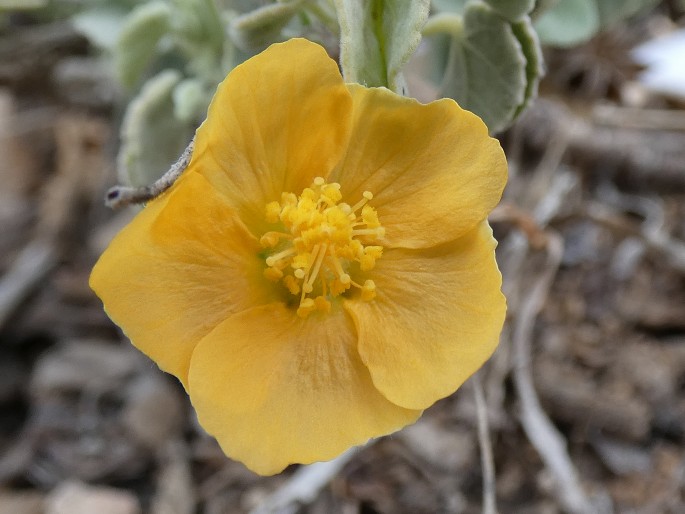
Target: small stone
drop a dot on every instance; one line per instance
(79, 498)
(449, 449)
(154, 412)
(83, 365)
(21, 503)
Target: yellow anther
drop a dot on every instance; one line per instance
(374, 251)
(367, 263)
(370, 217)
(308, 195)
(273, 274)
(306, 307)
(338, 288)
(269, 240)
(368, 291)
(332, 193)
(301, 261)
(273, 210)
(322, 304)
(292, 284)
(288, 198)
(322, 244)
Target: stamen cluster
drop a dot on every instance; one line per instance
(321, 240)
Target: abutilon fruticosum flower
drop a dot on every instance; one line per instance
(323, 270)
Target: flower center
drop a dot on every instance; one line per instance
(323, 241)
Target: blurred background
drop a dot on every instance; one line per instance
(585, 397)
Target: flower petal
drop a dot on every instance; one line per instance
(434, 171)
(277, 121)
(275, 389)
(435, 320)
(182, 266)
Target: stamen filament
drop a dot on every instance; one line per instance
(367, 196)
(273, 259)
(344, 277)
(317, 266)
(369, 232)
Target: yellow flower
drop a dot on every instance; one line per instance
(322, 271)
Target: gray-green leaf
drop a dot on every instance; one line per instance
(152, 138)
(512, 10)
(257, 29)
(486, 67)
(146, 25)
(453, 6)
(535, 68)
(191, 99)
(22, 4)
(568, 22)
(611, 11)
(102, 26)
(377, 37)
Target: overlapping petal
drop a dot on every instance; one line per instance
(181, 267)
(432, 168)
(277, 121)
(275, 389)
(436, 319)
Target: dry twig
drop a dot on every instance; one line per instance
(648, 159)
(486, 457)
(77, 161)
(30, 268)
(549, 443)
(119, 196)
(657, 241)
(304, 486)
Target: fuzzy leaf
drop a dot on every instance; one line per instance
(486, 68)
(611, 11)
(377, 37)
(102, 26)
(535, 68)
(152, 138)
(512, 10)
(256, 30)
(22, 4)
(200, 35)
(191, 99)
(453, 6)
(568, 22)
(146, 25)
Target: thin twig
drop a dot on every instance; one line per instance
(304, 486)
(486, 457)
(61, 198)
(544, 436)
(639, 118)
(119, 196)
(646, 159)
(657, 241)
(31, 266)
